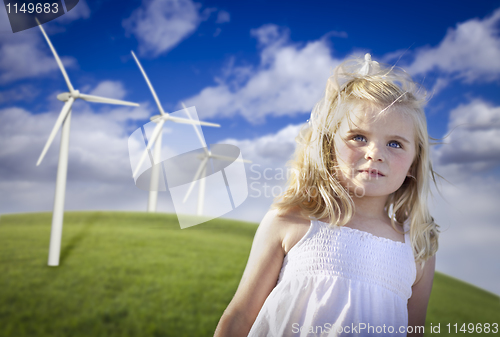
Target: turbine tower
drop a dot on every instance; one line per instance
(156, 139)
(64, 119)
(202, 169)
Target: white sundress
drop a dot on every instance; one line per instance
(340, 282)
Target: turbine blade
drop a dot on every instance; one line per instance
(202, 140)
(59, 63)
(149, 83)
(62, 115)
(191, 121)
(218, 156)
(98, 99)
(156, 132)
(196, 177)
(215, 125)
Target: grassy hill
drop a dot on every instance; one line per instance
(137, 274)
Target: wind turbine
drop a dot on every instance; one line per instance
(156, 139)
(64, 119)
(202, 169)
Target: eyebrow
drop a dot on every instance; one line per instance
(401, 138)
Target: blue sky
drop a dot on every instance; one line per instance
(256, 67)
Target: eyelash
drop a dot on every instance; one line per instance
(398, 144)
(358, 136)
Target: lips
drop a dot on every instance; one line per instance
(371, 172)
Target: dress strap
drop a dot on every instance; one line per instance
(313, 228)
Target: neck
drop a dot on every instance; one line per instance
(370, 208)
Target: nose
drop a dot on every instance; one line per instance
(374, 153)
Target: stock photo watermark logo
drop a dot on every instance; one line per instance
(271, 182)
(22, 14)
(204, 182)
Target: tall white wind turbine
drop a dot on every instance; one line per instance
(202, 169)
(156, 139)
(64, 119)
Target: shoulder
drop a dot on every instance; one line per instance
(261, 273)
(288, 226)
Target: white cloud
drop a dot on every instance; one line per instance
(97, 131)
(267, 174)
(474, 136)
(223, 17)
(25, 55)
(467, 207)
(25, 93)
(159, 25)
(289, 80)
(272, 150)
(98, 166)
(467, 212)
(109, 89)
(439, 85)
(470, 51)
(98, 141)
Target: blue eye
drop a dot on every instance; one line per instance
(359, 138)
(394, 144)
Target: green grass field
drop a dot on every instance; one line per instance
(137, 274)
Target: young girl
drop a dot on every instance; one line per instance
(342, 252)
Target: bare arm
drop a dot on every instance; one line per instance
(421, 291)
(258, 280)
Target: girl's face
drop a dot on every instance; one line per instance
(374, 152)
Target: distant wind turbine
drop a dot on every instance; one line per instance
(202, 169)
(64, 119)
(156, 140)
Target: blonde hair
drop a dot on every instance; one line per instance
(313, 186)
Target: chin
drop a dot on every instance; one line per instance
(368, 190)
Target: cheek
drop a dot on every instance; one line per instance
(404, 163)
(347, 155)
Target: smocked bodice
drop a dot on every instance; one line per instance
(352, 254)
(336, 278)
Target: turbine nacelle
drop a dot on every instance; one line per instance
(206, 154)
(64, 97)
(158, 118)
(69, 97)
